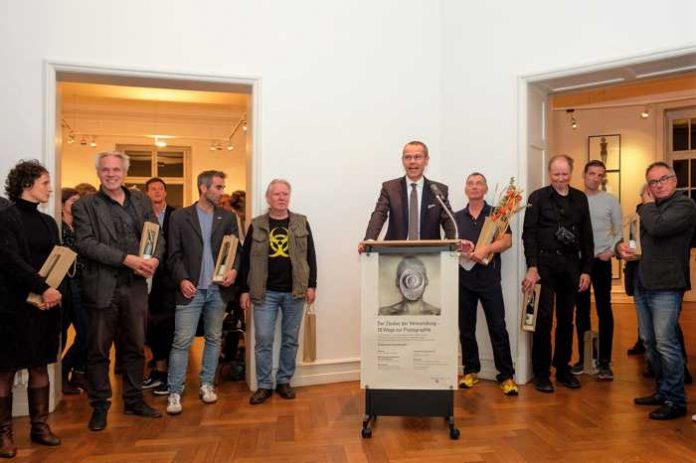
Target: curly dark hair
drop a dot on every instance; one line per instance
(23, 175)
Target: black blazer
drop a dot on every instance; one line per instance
(96, 242)
(393, 204)
(186, 247)
(17, 276)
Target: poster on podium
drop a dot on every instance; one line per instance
(409, 321)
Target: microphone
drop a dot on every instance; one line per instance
(434, 189)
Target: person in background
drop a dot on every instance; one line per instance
(607, 228)
(279, 274)
(75, 359)
(29, 335)
(161, 300)
(85, 189)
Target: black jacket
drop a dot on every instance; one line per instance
(185, 247)
(392, 204)
(666, 229)
(542, 219)
(96, 242)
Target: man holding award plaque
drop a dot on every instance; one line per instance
(199, 234)
(482, 283)
(667, 223)
(109, 229)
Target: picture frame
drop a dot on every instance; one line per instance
(225, 258)
(605, 148)
(54, 269)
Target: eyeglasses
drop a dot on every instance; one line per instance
(660, 181)
(409, 157)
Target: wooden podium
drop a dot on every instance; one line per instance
(409, 330)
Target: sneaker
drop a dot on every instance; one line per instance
(468, 381)
(162, 389)
(578, 368)
(509, 387)
(207, 394)
(154, 380)
(605, 373)
(174, 404)
(260, 396)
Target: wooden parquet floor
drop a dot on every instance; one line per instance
(597, 423)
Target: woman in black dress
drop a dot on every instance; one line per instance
(29, 336)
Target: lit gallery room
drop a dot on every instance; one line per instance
(328, 96)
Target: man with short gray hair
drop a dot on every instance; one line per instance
(667, 223)
(108, 227)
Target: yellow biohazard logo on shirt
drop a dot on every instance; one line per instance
(278, 241)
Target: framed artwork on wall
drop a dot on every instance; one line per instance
(605, 148)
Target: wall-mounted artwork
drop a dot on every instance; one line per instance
(605, 148)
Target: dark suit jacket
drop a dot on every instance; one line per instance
(186, 247)
(96, 243)
(162, 293)
(393, 204)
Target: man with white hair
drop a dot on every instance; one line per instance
(108, 226)
(279, 273)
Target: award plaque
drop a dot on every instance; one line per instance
(148, 240)
(530, 307)
(55, 268)
(631, 236)
(488, 234)
(225, 258)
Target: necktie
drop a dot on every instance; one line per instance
(413, 214)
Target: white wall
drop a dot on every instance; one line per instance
(343, 86)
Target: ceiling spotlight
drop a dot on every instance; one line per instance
(645, 113)
(230, 147)
(71, 138)
(93, 143)
(212, 146)
(245, 126)
(83, 141)
(160, 143)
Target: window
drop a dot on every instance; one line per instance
(171, 164)
(682, 149)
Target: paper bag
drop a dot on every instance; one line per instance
(309, 342)
(57, 265)
(631, 236)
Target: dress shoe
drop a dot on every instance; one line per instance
(637, 349)
(38, 412)
(78, 379)
(141, 409)
(667, 412)
(652, 399)
(260, 396)
(285, 391)
(543, 385)
(98, 420)
(568, 380)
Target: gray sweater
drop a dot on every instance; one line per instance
(607, 224)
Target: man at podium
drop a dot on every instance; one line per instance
(410, 203)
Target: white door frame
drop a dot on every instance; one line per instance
(53, 70)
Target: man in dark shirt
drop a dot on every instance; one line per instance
(482, 282)
(559, 248)
(667, 224)
(108, 226)
(279, 273)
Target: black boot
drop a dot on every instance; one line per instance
(7, 445)
(78, 379)
(68, 388)
(38, 411)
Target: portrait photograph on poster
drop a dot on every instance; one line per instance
(404, 282)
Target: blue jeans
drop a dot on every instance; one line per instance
(208, 303)
(265, 315)
(658, 315)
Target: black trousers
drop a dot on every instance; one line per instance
(560, 276)
(127, 315)
(601, 283)
(491, 299)
(160, 322)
